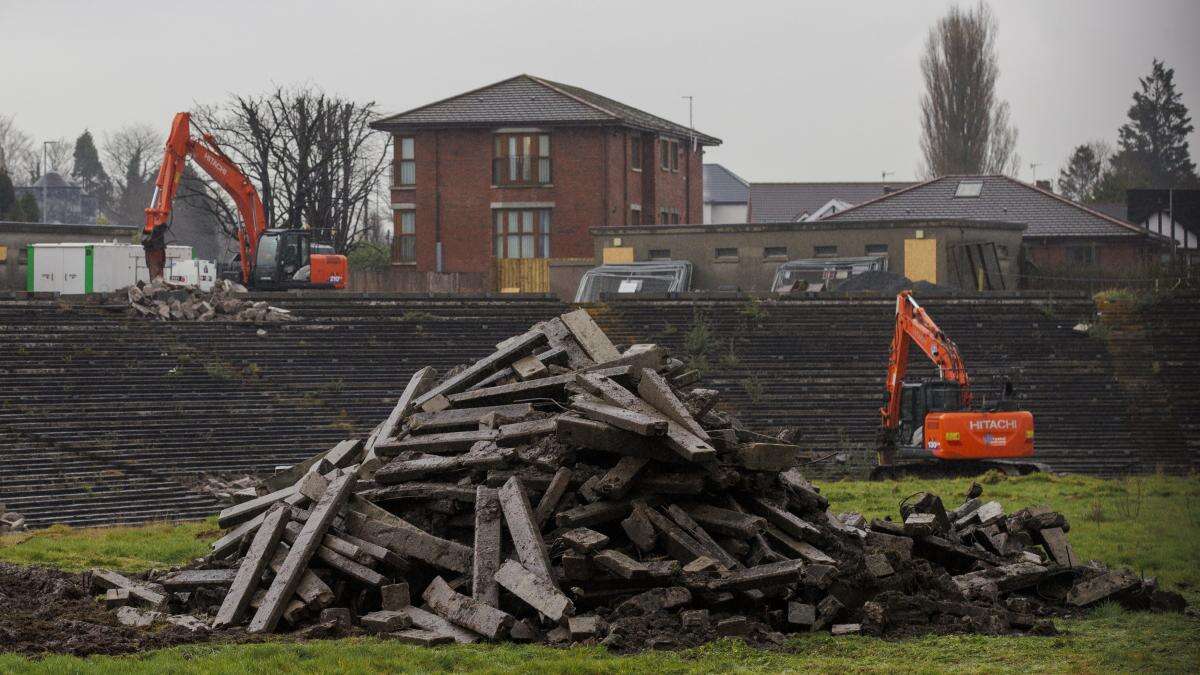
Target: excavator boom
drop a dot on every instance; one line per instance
(181, 145)
(287, 259)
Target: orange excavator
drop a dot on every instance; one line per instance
(270, 259)
(933, 427)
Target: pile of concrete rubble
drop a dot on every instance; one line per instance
(559, 490)
(170, 302)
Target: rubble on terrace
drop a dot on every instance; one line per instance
(561, 491)
(171, 302)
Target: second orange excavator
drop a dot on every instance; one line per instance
(270, 259)
(936, 426)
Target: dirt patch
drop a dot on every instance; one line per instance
(47, 611)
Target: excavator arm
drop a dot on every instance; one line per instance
(913, 326)
(181, 145)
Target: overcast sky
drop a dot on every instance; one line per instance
(796, 90)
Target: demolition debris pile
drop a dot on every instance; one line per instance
(559, 490)
(171, 302)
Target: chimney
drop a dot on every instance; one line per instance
(1045, 185)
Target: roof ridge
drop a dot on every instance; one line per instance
(834, 182)
(727, 170)
(556, 87)
(383, 120)
(659, 118)
(885, 196)
(1082, 207)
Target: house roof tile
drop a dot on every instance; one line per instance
(526, 99)
(783, 202)
(1001, 198)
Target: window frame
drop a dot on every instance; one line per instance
(867, 249)
(674, 156)
(635, 152)
(400, 237)
(403, 162)
(664, 148)
(1092, 255)
(635, 208)
(722, 253)
(769, 255)
(526, 153)
(659, 254)
(831, 251)
(524, 227)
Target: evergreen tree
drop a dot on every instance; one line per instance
(1153, 144)
(129, 207)
(90, 172)
(27, 210)
(1079, 178)
(8, 196)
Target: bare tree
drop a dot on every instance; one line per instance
(60, 157)
(313, 157)
(16, 151)
(132, 155)
(965, 128)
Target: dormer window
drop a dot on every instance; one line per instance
(969, 188)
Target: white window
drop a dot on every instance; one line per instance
(406, 236)
(406, 164)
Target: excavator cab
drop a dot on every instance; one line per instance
(919, 399)
(289, 258)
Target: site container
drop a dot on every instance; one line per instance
(92, 268)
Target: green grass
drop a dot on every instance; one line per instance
(129, 549)
(1151, 524)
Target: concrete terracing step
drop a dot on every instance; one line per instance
(93, 391)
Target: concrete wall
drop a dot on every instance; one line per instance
(593, 184)
(15, 237)
(752, 270)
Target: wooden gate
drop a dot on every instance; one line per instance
(523, 275)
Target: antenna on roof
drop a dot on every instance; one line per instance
(691, 127)
(884, 174)
(1033, 167)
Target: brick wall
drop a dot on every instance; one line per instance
(593, 184)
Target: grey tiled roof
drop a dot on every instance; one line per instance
(1002, 198)
(722, 186)
(785, 202)
(526, 99)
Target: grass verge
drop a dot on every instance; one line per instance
(1150, 523)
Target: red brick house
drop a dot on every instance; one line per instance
(521, 169)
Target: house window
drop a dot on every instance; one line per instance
(1082, 255)
(522, 233)
(726, 253)
(665, 151)
(406, 163)
(969, 188)
(824, 251)
(774, 251)
(406, 236)
(660, 254)
(668, 216)
(635, 153)
(635, 215)
(876, 249)
(674, 155)
(521, 159)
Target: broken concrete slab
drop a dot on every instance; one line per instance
(534, 590)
